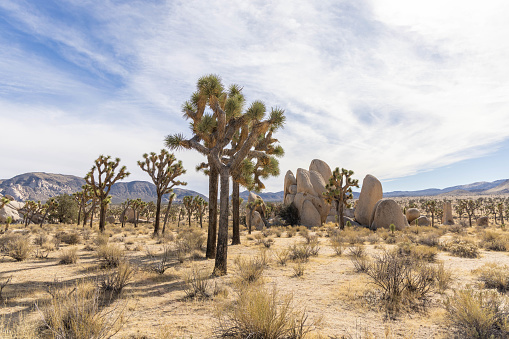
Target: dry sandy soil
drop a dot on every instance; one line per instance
(156, 305)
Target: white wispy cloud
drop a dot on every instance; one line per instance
(384, 87)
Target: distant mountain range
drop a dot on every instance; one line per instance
(42, 186)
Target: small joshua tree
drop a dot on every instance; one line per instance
(339, 190)
(50, 206)
(168, 211)
(189, 206)
(200, 205)
(431, 207)
(3, 201)
(101, 186)
(163, 168)
(252, 206)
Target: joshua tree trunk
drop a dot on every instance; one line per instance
(236, 213)
(220, 267)
(212, 229)
(250, 219)
(158, 211)
(102, 217)
(79, 215)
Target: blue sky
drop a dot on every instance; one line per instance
(413, 93)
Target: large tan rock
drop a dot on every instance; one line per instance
(309, 216)
(304, 184)
(110, 219)
(388, 212)
(289, 199)
(412, 214)
(322, 168)
(447, 218)
(11, 210)
(319, 201)
(289, 181)
(257, 221)
(421, 221)
(371, 192)
(292, 189)
(299, 200)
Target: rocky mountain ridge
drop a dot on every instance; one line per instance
(42, 186)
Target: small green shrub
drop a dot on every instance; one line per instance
(290, 214)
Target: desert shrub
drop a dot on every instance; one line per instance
(110, 255)
(302, 252)
(290, 232)
(69, 256)
(359, 258)
(298, 268)
(40, 239)
(259, 237)
(78, 314)
(494, 241)
(429, 239)
(463, 248)
(336, 243)
(261, 314)
(268, 242)
(417, 252)
(17, 328)
(282, 256)
(165, 238)
(190, 240)
(249, 270)
(478, 314)
(443, 277)
(116, 280)
(289, 213)
(494, 276)
(164, 259)
(373, 238)
(72, 238)
(196, 284)
(17, 247)
(457, 228)
(101, 239)
(403, 282)
(355, 235)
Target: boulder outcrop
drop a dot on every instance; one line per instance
(305, 190)
(371, 193)
(447, 218)
(388, 212)
(412, 214)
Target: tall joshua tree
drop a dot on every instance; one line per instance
(200, 205)
(101, 186)
(213, 132)
(339, 190)
(187, 201)
(168, 209)
(163, 169)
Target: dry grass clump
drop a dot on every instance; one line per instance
(302, 252)
(78, 313)
(258, 313)
(417, 252)
(16, 246)
(110, 255)
(196, 284)
(164, 260)
(355, 235)
(115, 281)
(282, 256)
(101, 239)
(188, 241)
(494, 241)
(360, 260)
(249, 270)
(478, 314)
(69, 256)
(336, 242)
(40, 239)
(494, 275)
(461, 247)
(21, 328)
(298, 268)
(429, 239)
(72, 238)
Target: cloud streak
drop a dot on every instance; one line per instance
(378, 87)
